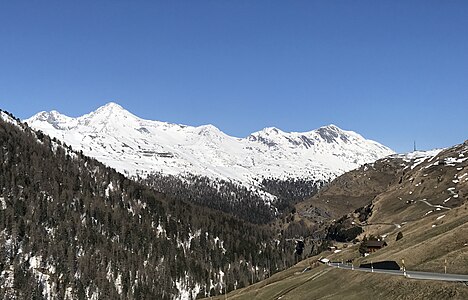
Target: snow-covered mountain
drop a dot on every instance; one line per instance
(133, 146)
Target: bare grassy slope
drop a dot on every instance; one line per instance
(423, 247)
(352, 190)
(426, 198)
(328, 283)
(438, 181)
(431, 205)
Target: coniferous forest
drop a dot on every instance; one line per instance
(72, 228)
(234, 198)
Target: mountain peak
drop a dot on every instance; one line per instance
(52, 117)
(209, 131)
(106, 113)
(332, 134)
(48, 116)
(111, 106)
(208, 128)
(330, 127)
(269, 131)
(272, 130)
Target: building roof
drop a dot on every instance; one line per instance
(376, 244)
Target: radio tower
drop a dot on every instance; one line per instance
(414, 147)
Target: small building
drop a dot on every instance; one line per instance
(373, 246)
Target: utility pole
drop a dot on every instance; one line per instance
(445, 266)
(404, 268)
(414, 146)
(372, 267)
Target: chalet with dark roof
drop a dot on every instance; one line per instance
(373, 246)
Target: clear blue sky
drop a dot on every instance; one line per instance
(394, 71)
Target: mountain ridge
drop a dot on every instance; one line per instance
(135, 146)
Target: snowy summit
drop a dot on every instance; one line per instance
(133, 146)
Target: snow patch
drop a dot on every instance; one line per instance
(3, 204)
(43, 272)
(416, 158)
(110, 188)
(220, 244)
(160, 230)
(117, 280)
(185, 291)
(451, 161)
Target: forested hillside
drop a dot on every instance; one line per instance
(235, 199)
(72, 228)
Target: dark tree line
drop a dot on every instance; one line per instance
(233, 198)
(290, 191)
(222, 195)
(343, 230)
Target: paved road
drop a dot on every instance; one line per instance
(409, 274)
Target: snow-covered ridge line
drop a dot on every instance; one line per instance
(133, 146)
(416, 158)
(8, 118)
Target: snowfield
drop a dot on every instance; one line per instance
(135, 146)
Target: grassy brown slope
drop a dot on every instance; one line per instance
(329, 283)
(435, 181)
(423, 247)
(352, 190)
(395, 186)
(428, 238)
(396, 189)
(431, 235)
